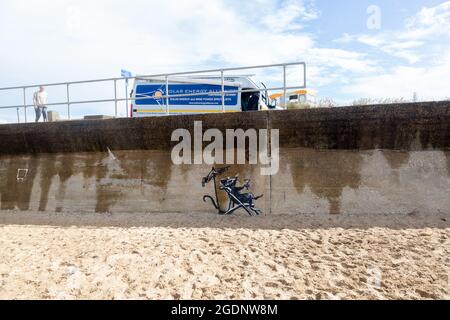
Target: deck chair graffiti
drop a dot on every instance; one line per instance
(236, 199)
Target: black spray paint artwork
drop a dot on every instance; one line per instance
(236, 198)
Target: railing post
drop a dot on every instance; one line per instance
(304, 74)
(115, 97)
(284, 86)
(18, 117)
(25, 103)
(68, 100)
(126, 96)
(167, 95)
(223, 90)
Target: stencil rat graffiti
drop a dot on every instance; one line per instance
(236, 199)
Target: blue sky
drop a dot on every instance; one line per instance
(53, 41)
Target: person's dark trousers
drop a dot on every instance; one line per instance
(44, 113)
(41, 110)
(37, 110)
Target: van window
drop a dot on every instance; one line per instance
(249, 100)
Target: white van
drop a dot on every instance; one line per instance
(298, 99)
(147, 95)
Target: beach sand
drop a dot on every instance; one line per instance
(206, 256)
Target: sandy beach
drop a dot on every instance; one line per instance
(206, 256)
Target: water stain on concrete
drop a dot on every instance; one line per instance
(64, 169)
(396, 159)
(16, 192)
(106, 194)
(48, 171)
(447, 155)
(91, 163)
(156, 168)
(327, 173)
(96, 166)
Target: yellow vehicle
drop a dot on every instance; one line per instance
(298, 99)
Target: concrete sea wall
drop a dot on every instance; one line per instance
(362, 160)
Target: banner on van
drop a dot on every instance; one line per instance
(212, 95)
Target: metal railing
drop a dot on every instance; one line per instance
(167, 96)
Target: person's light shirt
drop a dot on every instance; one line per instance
(40, 98)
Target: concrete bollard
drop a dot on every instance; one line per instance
(53, 116)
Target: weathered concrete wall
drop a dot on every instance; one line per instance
(123, 181)
(383, 159)
(374, 159)
(368, 181)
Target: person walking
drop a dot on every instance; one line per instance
(40, 104)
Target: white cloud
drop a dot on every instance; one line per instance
(424, 38)
(290, 16)
(388, 43)
(98, 38)
(344, 60)
(408, 43)
(429, 22)
(70, 40)
(403, 81)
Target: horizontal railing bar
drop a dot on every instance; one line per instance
(155, 75)
(216, 93)
(225, 69)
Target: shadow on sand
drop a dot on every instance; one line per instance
(238, 221)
